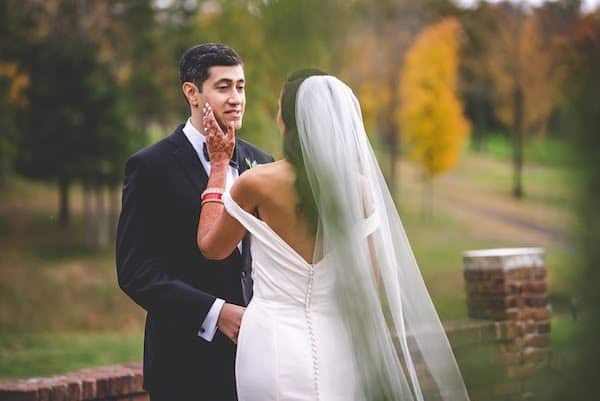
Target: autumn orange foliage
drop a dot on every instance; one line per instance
(17, 83)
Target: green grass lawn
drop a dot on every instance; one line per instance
(28, 354)
(547, 151)
(61, 308)
(60, 305)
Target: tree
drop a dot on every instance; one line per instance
(475, 76)
(145, 64)
(278, 37)
(378, 41)
(525, 80)
(375, 53)
(63, 110)
(81, 109)
(431, 116)
(110, 141)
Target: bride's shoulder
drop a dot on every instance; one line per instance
(254, 183)
(257, 173)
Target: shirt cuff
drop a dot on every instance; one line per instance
(209, 325)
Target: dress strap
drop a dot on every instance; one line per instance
(253, 224)
(370, 224)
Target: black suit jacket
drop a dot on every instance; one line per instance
(160, 267)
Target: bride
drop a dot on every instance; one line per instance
(340, 310)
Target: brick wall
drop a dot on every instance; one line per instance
(478, 345)
(114, 383)
(509, 287)
(501, 350)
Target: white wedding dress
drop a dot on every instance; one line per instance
(359, 324)
(293, 344)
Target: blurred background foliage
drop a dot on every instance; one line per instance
(494, 102)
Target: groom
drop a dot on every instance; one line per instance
(194, 305)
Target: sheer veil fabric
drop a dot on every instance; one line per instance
(399, 344)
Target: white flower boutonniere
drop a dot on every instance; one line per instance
(250, 164)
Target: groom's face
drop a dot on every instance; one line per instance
(225, 91)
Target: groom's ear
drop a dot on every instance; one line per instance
(191, 93)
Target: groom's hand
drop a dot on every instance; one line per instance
(230, 319)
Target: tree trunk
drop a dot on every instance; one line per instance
(114, 211)
(391, 139)
(102, 231)
(394, 134)
(88, 218)
(431, 197)
(427, 197)
(478, 129)
(63, 201)
(518, 142)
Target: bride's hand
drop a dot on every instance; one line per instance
(219, 145)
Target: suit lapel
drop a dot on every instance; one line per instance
(189, 161)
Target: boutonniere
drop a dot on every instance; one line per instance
(250, 164)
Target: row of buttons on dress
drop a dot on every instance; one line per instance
(313, 339)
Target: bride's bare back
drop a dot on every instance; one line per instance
(269, 189)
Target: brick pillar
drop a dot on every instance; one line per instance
(509, 286)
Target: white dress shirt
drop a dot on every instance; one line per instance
(209, 325)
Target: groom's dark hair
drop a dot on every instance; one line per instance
(291, 143)
(197, 60)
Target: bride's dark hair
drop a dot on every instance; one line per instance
(291, 144)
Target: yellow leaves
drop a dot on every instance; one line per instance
(17, 83)
(431, 113)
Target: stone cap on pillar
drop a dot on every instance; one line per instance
(504, 258)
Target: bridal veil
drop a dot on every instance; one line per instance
(399, 344)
